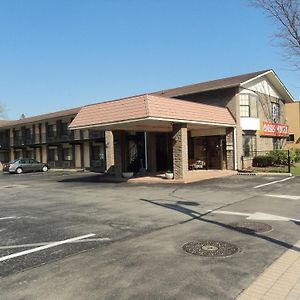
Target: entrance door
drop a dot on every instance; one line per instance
(163, 152)
(215, 152)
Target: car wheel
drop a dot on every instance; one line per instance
(19, 170)
(44, 168)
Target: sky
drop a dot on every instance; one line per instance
(60, 54)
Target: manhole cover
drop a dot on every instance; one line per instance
(252, 227)
(210, 248)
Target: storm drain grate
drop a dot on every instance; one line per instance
(252, 227)
(210, 248)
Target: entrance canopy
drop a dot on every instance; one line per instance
(151, 113)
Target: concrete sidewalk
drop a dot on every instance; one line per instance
(279, 281)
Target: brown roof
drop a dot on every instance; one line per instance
(210, 85)
(150, 106)
(4, 122)
(58, 114)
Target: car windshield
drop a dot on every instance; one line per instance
(14, 161)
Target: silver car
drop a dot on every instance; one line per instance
(21, 165)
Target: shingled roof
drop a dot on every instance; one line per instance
(57, 114)
(210, 85)
(150, 107)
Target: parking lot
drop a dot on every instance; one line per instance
(70, 236)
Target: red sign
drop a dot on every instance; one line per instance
(274, 129)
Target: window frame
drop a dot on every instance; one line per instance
(248, 106)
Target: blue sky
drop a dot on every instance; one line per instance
(61, 54)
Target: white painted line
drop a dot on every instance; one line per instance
(7, 218)
(223, 212)
(45, 247)
(273, 182)
(195, 214)
(290, 197)
(256, 216)
(47, 243)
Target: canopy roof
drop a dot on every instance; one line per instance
(150, 107)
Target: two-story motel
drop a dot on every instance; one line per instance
(215, 122)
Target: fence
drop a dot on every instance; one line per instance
(273, 161)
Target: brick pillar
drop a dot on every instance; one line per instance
(180, 151)
(151, 145)
(230, 148)
(119, 150)
(109, 151)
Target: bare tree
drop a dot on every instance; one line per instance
(286, 13)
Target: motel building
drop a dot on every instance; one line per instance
(219, 125)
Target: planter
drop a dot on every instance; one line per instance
(127, 174)
(169, 175)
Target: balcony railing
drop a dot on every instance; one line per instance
(62, 138)
(4, 144)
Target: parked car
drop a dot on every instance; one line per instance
(21, 165)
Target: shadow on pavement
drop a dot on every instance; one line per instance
(196, 216)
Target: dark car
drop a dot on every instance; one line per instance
(21, 165)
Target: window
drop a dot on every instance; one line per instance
(52, 154)
(52, 130)
(248, 105)
(64, 128)
(277, 144)
(67, 154)
(275, 112)
(291, 138)
(249, 145)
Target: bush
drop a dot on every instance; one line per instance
(279, 157)
(262, 161)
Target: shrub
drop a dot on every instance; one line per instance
(279, 157)
(262, 161)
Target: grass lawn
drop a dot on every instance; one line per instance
(296, 171)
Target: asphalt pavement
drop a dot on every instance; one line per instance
(70, 236)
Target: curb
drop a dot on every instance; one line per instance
(265, 174)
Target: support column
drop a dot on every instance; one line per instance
(86, 155)
(44, 154)
(11, 136)
(180, 151)
(118, 152)
(11, 154)
(43, 133)
(38, 154)
(77, 156)
(230, 148)
(109, 151)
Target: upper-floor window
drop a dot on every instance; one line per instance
(64, 128)
(248, 105)
(52, 130)
(275, 112)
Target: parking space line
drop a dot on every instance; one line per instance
(7, 257)
(47, 243)
(7, 218)
(273, 182)
(290, 197)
